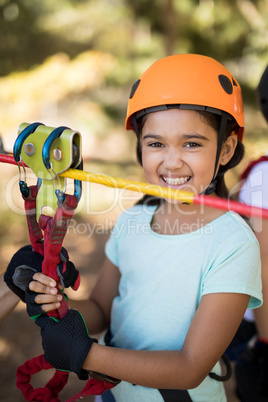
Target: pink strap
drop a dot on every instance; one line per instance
(35, 234)
(92, 387)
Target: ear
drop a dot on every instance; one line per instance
(228, 149)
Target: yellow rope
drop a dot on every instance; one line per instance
(117, 182)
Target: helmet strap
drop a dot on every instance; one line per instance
(211, 188)
(135, 126)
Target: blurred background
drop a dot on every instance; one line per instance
(72, 63)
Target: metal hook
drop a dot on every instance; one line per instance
(60, 194)
(20, 165)
(17, 153)
(56, 133)
(24, 189)
(78, 184)
(22, 137)
(47, 144)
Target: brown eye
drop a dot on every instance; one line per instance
(156, 144)
(192, 145)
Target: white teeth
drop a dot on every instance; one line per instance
(176, 181)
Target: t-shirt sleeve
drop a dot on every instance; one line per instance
(255, 188)
(111, 247)
(236, 271)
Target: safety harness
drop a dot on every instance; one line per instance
(46, 237)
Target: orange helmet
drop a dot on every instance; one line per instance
(194, 81)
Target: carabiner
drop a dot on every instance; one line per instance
(77, 188)
(22, 137)
(78, 183)
(17, 153)
(56, 133)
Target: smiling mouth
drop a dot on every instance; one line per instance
(176, 181)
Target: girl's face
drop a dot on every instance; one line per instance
(178, 150)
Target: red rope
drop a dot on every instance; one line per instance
(50, 392)
(230, 205)
(9, 158)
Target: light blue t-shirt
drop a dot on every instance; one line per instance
(163, 278)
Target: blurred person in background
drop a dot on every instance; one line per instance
(250, 345)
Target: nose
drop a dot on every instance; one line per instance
(173, 159)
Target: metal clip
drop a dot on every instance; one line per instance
(56, 133)
(21, 139)
(17, 155)
(47, 145)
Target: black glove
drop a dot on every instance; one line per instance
(22, 267)
(33, 309)
(26, 262)
(68, 274)
(66, 343)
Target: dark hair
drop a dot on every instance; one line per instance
(213, 120)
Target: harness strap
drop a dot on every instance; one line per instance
(175, 395)
(49, 247)
(54, 230)
(92, 387)
(35, 234)
(54, 233)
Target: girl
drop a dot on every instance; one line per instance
(178, 277)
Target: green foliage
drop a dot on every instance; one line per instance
(33, 30)
(134, 33)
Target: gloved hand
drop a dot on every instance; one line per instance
(22, 267)
(26, 262)
(66, 343)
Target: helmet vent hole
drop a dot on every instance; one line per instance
(134, 88)
(226, 84)
(234, 82)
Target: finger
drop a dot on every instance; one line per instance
(47, 299)
(38, 287)
(49, 307)
(44, 279)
